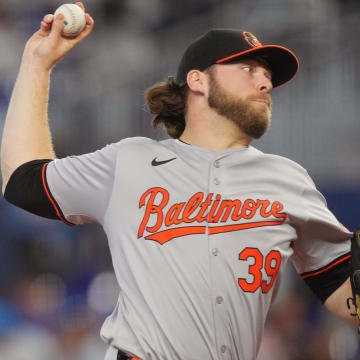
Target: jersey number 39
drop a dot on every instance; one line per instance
(271, 266)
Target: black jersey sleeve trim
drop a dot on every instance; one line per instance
(324, 281)
(28, 189)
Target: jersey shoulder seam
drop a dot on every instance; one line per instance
(135, 140)
(289, 161)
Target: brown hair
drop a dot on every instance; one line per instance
(167, 102)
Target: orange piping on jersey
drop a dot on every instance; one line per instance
(51, 199)
(326, 268)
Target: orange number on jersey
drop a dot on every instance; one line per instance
(272, 266)
(254, 270)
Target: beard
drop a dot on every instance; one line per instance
(251, 120)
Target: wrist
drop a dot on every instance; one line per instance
(34, 66)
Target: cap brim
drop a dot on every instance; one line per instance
(283, 62)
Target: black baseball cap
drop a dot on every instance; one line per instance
(219, 46)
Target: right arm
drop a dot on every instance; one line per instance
(26, 134)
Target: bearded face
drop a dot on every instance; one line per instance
(252, 117)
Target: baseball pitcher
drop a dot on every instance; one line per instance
(201, 226)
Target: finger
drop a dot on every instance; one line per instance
(89, 19)
(80, 4)
(49, 18)
(45, 25)
(57, 26)
(88, 28)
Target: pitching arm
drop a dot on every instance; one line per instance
(340, 303)
(26, 134)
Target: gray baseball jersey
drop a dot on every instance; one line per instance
(199, 240)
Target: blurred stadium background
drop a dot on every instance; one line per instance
(56, 283)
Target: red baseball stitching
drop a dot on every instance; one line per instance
(73, 18)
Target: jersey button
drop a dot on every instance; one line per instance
(215, 251)
(223, 348)
(217, 163)
(219, 299)
(216, 181)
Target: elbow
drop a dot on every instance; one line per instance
(5, 176)
(4, 184)
(5, 180)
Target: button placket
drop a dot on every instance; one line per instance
(215, 184)
(216, 165)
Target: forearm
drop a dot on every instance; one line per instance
(26, 134)
(337, 303)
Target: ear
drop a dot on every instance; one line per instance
(197, 81)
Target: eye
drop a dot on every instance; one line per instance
(268, 75)
(247, 68)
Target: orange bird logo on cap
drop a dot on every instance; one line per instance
(251, 39)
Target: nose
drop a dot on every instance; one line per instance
(264, 83)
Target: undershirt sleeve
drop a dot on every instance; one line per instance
(27, 189)
(324, 281)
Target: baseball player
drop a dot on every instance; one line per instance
(200, 226)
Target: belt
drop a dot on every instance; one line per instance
(122, 356)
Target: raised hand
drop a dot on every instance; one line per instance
(47, 46)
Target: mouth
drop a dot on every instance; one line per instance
(262, 101)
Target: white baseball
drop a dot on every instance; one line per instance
(74, 22)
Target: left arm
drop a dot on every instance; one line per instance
(345, 300)
(338, 302)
